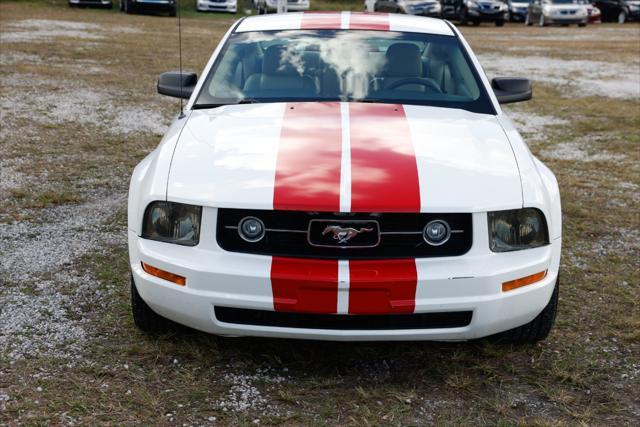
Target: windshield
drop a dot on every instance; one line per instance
(336, 65)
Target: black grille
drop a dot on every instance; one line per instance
(400, 234)
(242, 316)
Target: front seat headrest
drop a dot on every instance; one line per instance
(403, 60)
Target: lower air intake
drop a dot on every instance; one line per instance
(242, 316)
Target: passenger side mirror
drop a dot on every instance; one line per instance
(173, 83)
(511, 89)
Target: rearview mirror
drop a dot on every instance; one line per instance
(511, 89)
(173, 83)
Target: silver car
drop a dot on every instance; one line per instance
(562, 12)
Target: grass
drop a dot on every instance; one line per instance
(585, 373)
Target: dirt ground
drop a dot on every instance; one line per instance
(78, 110)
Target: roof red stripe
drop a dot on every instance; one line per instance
(369, 21)
(321, 21)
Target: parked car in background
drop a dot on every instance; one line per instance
(562, 12)
(595, 16)
(619, 10)
(475, 11)
(230, 6)
(517, 10)
(430, 8)
(162, 6)
(105, 4)
(268, 6)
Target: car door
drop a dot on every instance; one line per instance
(449, 8)
(386, 6)
(535, 8)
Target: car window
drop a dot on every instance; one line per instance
(338, 65)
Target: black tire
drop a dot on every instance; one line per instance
(143, 316)
(582, 25)
(536, 330)
(173, 12)
(499, 23)
(475, 22)
(464, 17)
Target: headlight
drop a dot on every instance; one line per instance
(517, 229)
(172, 223)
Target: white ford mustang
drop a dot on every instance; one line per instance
(345, 176)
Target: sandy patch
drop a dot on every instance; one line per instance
(533, 126)
(581, 77)
(45, 30)
(577, 151)
(243, 393)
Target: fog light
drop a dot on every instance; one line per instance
(251, 229)
(437, 232)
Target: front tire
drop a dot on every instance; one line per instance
(499, 23)
(144, 317)
(527, 21)
(536, 330)
(464, 17)
(622, 17)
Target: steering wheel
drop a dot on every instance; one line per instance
(428, 83)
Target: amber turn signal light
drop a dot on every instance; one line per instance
(174, 278)
(523, 281)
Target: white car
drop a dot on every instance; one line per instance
(345, 176)
(230, 6)
(268, 6)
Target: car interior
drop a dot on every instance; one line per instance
(395, 69)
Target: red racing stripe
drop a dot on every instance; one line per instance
(384, 171)
(304, 285)
(321, 20)
(369, 21)
(309, 156)
(382, 286)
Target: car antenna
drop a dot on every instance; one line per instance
(180, 57)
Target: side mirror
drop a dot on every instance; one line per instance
(511, 89)
(173, 83)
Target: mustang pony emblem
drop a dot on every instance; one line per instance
(343, 235)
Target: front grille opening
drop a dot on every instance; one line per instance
(356, 322)
(393, 235)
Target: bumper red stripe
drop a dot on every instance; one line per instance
(308, 165)
(381, 287)
(321, 20)
(369, 21)
(384, 172)
(304, 285)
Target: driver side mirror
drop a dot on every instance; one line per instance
(511, 89)
(176, 84)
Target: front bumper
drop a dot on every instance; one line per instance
(561, 20)
(159, 5)
(471, 282)
(217, 6)
(478, 14)
(291, 7)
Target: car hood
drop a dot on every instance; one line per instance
(349, 157)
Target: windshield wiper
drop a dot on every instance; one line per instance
(239, 102)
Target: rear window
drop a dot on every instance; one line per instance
(350, 66)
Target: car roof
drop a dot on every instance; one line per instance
(345, 20)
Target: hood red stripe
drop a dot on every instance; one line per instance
(384, 171)
(369, 21)
(309, 156)
(382, 286)
(304, 285)
(321, 20)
